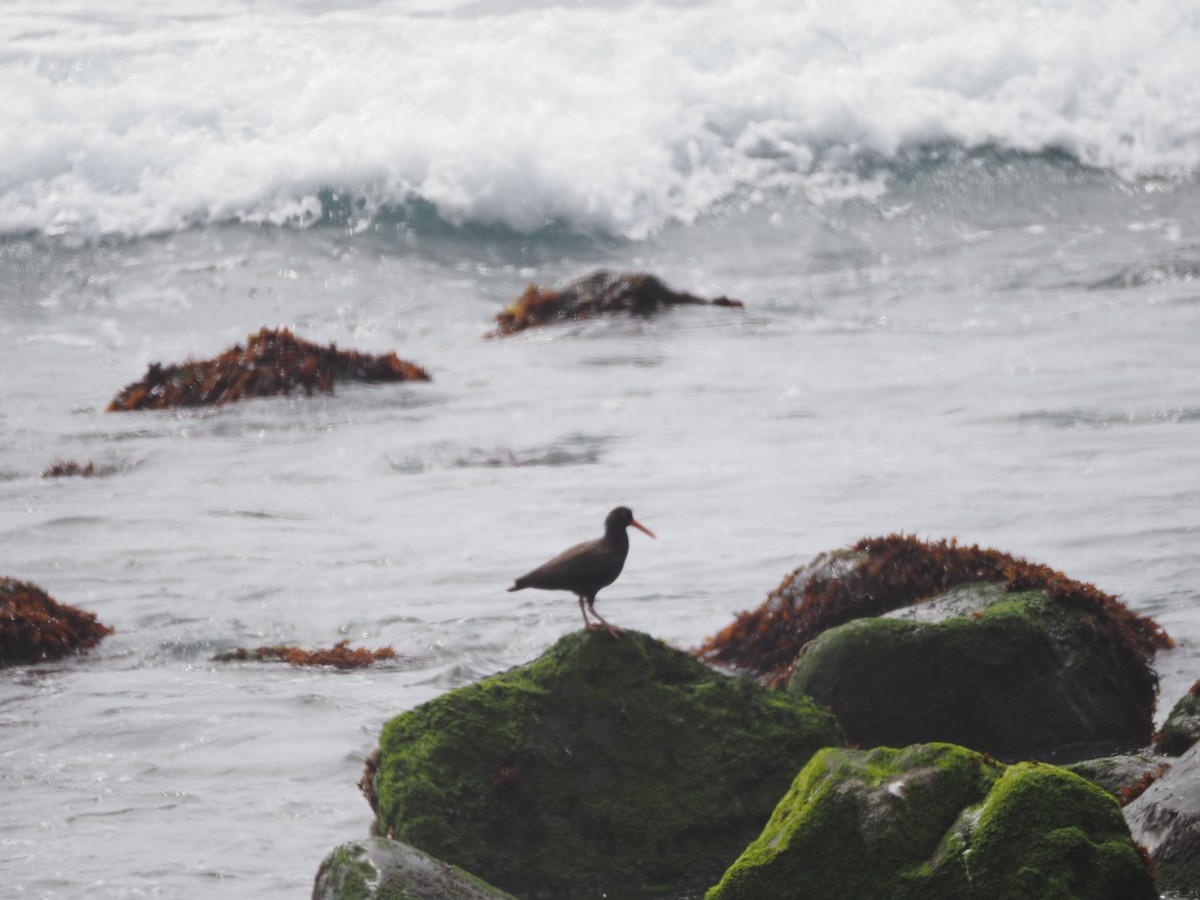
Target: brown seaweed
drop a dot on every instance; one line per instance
(34, 627)
(596, 294)
(271, 363)
(340, 656)
(69, 468)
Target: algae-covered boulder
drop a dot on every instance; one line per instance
(596, 294)
(1182, 728)
(383, 869)
(878, 575)
(1019, 660)
(1012, 674)
(1165, 819)
(938, 822)
(34, 627)
(605, 765)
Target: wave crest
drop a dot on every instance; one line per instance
(615, 121)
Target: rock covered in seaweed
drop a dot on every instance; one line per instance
(603, 765)
(1165, 820)
(596, 294)
(271, 363)
(382, 869)
(1025, 661)
(939, 822)
(340, 656)
(34, 627)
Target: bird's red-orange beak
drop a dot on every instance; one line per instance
(640, 527)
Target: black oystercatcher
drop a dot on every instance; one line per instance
(586, 568)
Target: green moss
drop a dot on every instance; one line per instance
(1012, 674)
(1182, 727)
(383, 869)
(603, 765)
(1045, 832)
(346, 875)
(859, 824)
(938, 822)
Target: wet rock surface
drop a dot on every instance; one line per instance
(1165, 819)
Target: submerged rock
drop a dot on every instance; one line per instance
(272, 362)
(340, 656)
(34, 627)
(910, 641)
(383, 869)
(602, 766)
(939, 822)
(1182, 728)
(596, 294)
(1165, 820)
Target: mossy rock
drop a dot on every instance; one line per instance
(1165, 819)
(621, 766)
(383, 869)
(1182, 728)
(939, 822)
(1013, 674)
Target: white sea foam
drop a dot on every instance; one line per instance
(608, 118)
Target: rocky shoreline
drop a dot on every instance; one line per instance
(626, 768)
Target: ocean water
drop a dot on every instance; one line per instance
(967, 237)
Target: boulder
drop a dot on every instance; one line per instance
(987, 640)
(939, 822)
(34, 627)
(1165, 820)
(605, 765)
(383, 869)
(271, 363)
(597, 294)
(1182, 728)
(1015, 675)
(1126, 775)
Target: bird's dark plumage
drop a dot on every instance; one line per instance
(586, 568)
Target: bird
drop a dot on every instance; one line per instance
(586, 568)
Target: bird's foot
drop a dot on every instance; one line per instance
(615, 631)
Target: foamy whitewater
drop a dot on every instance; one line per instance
(967, 237)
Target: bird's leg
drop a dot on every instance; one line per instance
(587, 623)
(612, 629)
